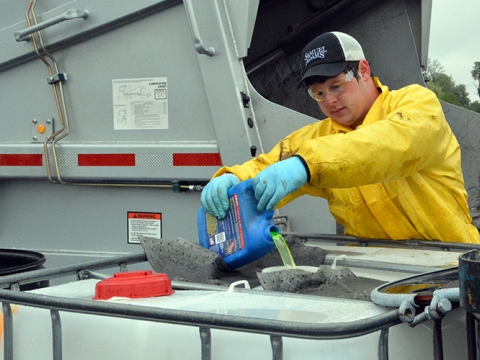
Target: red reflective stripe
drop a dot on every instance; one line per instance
(106, 159)
(183, 159)
(210, 159)
(21, 160)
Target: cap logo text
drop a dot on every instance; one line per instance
(318, 53)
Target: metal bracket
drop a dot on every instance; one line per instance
(438, 308)
(245, 100)
(61, 77)
(41, 129)
(176, 186)
(406, 311)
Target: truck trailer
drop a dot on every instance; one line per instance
(116, 116)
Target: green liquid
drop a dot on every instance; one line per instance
(283, 249)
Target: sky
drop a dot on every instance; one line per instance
(455, 39)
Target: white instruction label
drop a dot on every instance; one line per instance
(140, 104)
(144, 224)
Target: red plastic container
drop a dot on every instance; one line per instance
(134, 284)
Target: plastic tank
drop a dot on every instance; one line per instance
(88, 336)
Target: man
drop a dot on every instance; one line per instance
(386, 161)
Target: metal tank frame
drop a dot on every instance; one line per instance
(276, 329)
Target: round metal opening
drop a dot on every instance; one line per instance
(18, 261)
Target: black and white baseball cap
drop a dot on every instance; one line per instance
(329, 54)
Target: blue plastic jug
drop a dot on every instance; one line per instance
(244, 235)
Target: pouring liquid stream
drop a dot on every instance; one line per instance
(283, 249)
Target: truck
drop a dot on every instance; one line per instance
(118, 113)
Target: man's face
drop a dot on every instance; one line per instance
(348, 108)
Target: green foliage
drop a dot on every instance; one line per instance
(476, 75)
(447, 90)
(461, 94)
(434, 68)
(475, 106)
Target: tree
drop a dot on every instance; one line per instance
(447, 90)
(476, 75)
(461, 94)
(475, 106)
(434, 68)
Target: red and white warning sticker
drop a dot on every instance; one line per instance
(143, 224)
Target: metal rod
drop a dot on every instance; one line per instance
(277, 347)
(383, 345)
(471, 336)
(7, 331)
(379, 265)
(206, 340)
(56, 335)
(123, 267)
(437, 339)
(405, 244)
(44, 274)
(477, 338)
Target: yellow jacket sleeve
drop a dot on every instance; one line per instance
(283, 150)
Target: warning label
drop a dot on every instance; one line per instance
(143, 224)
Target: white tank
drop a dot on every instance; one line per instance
(100, 337)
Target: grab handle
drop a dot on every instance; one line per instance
(232, 286)
(198, 43)
(69, 15)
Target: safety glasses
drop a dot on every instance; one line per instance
(334, 89)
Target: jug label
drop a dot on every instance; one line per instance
(225, 237)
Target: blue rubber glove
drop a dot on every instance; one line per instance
(278, 180)
(214, 196)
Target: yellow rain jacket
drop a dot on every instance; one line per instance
(397, 176)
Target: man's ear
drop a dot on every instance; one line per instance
(364, 70)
